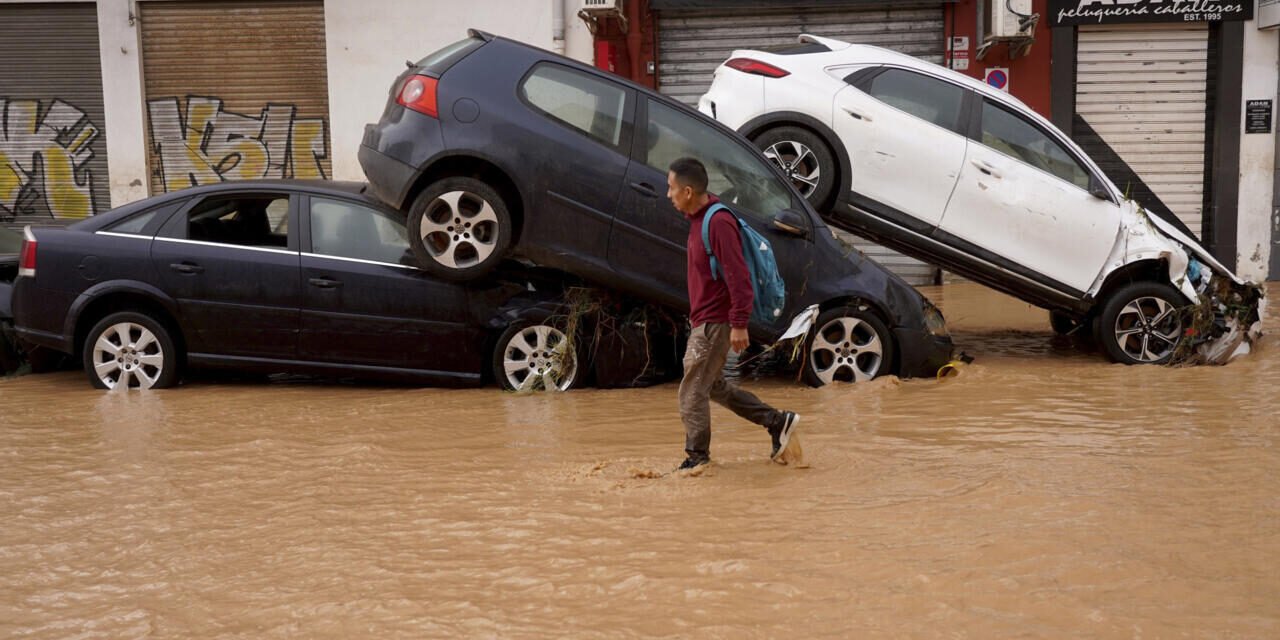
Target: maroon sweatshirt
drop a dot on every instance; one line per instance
(729, 298)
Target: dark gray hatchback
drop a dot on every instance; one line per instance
(497, 149)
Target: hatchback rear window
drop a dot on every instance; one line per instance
(441, 60)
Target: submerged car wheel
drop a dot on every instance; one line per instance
(804, 159)
(535, 355)
(1141, 323)
(132, 351)
(847, 345)
(460, 228)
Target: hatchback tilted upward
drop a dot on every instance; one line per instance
(499, 149)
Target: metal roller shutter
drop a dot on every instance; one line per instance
(1141, 100)
(53, 145)
(235, 90)
(692, 44)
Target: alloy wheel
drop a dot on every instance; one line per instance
(127, 355)
(459, 229)
(539, 356)
(1148, 328)
(846, 349)
(798, 164)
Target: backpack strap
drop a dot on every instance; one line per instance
(706, 238)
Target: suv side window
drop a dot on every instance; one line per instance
(741, 178)
(348, 230)
(247, 221)
(586, 103)
(1016, 137)
(926, 98)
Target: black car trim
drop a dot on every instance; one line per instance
(212, 360)
(44, 339)
(580, 206)
(359, 260)
(229, 246)
(645, 233)
(965, 251)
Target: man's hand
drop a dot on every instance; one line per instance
(738, 339)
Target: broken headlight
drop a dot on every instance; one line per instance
(934, 322)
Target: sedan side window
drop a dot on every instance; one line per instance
(581, 101)
(1014, 136)
(348, 230)
(740, 177)
(247, 221)
(926, 98)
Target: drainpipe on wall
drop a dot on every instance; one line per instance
(557, 26)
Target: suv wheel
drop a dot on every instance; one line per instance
(1141, 323)
(132, 351)
(460, 228)
(535, 355)
(804, 159)
(847, 345)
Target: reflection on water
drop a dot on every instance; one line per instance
(1043, 492)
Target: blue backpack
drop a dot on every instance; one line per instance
(766, 282)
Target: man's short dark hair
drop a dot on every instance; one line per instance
(690, 173)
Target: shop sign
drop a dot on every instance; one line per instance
(1072, 12)
(1257, 116)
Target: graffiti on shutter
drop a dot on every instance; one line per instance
(44, 155)
(205, 143)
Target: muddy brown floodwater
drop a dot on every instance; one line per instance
(1042, 493)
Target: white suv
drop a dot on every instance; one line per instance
(947, 169)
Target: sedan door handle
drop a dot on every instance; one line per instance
(857, 115)
(986, 168)
(645, 189)
(186, 267)
(325, 283)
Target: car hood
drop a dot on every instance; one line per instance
(1194, 247)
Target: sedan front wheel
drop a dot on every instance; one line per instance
(535, 355)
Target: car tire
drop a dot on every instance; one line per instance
(532, 352)
(459, 229)
(847, 344)
(1140, 323)
(800, 153)
(130, 348)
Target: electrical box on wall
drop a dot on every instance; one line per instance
(612, 5)
(1007, 18)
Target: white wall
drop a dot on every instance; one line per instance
(370, 40)
(122, 98)
(1257, 155)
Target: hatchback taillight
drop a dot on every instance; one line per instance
(27, 255)
(419, 94)
(755, 67)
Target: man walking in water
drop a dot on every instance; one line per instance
(718, 311)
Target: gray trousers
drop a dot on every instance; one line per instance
(703, 381)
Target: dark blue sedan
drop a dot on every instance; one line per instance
(276, 276)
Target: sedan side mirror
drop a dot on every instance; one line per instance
(791, 222)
